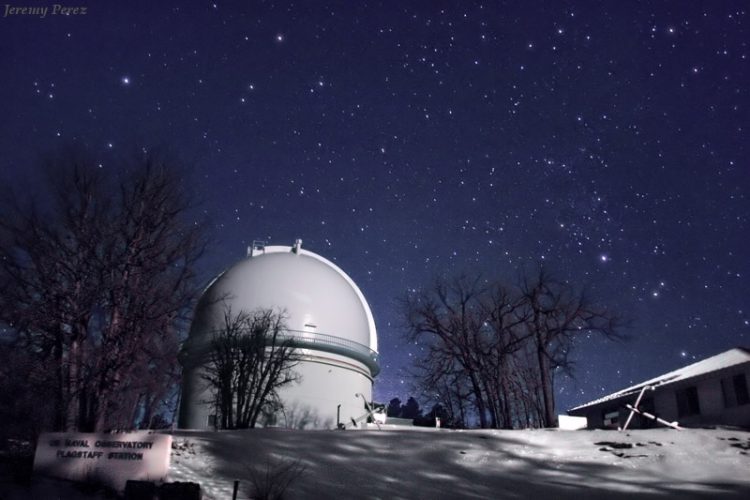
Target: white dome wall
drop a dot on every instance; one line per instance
(311, 404)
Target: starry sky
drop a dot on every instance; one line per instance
(407, 140)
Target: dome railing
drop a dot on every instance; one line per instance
(336, 345)
(192, 351)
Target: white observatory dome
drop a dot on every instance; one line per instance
(317, 296)
(327, 319)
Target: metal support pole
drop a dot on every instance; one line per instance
(370, 410)
(236, 487)
(674, 425)
(637, 402)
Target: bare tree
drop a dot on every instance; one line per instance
(250, 359)
(445, 320)
(97, 279)
(555, 316)
(450, 390)
(498, 346)
(469, 330)
(50, 281)
(502, 313)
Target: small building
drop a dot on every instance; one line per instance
(713, 391)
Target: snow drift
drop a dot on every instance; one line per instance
(429, 463)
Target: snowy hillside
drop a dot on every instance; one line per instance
(429, 463)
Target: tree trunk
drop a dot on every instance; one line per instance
(60, 416)
(507, 418)
(73, 388)
(548, 396)
(479, 400)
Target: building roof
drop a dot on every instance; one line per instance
(726, 359)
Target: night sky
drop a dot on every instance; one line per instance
(406, 140)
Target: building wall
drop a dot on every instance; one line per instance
(327, 380)
(665, 403)
(325, 385)
(711, 400)
(710, 397)
(594, 417)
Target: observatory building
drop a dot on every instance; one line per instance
(328, 320)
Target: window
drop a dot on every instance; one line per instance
(734, 390)
(610, 418)
(740, 389)
(687, 402)
(212, 421)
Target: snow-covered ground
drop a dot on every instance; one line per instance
(430, 463)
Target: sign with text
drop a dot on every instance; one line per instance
(109, 459)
